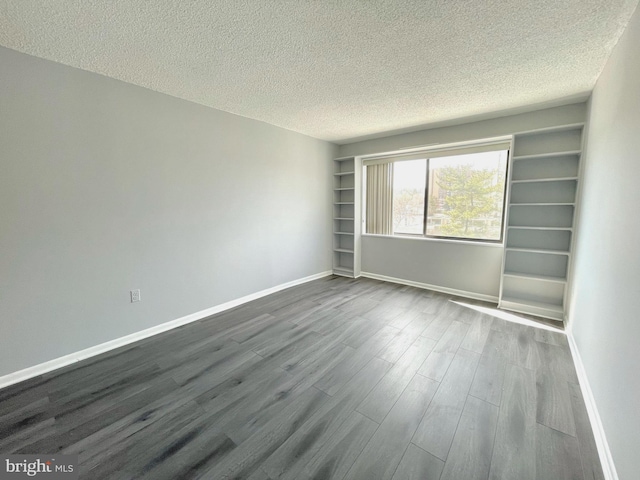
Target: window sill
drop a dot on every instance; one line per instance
(421, 238)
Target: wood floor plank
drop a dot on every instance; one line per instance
(382, 398)
(437, 303)
(319, 317)
(477, 335)
(557, 455)
(118, 435)
(248, 456)
(340, 451)
(398, 346)
(500, 345)
(331, 353)
(554, 402)
(514, 449)
(383, 453)
(358, 305)
(472, 447)
(61, 439)
(557, 359)
(416, 464)
(298, 338)
(558, 338)
(384, 312)
(338, 376)
(591, 466)
(489, 379)
(248, 416)
(18, 440)
(439, 424)
(259, 474)
(293, 455)
(238, 394)
(185, 454)
(366, 329)
(527, 352)
(408, 316)
(437, 327)
(437, 363)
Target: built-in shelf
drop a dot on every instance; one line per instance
(347, 211)
(543, 188)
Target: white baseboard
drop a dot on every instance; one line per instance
(452, 291)
(606, 459)
(60, 362)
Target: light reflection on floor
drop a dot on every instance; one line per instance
(509, 317)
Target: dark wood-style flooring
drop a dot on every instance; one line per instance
(337, 378)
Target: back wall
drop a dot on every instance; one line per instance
(468, 268)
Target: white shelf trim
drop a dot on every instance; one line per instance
(524, 227)
(543, 204)
(532, 276)
(537, 250)
(552, 129)
(562, 153)
(549, 179)
(546, 310)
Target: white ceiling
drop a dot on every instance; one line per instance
(332, 69)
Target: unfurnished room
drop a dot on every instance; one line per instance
(305, 239)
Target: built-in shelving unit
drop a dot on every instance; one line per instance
(346, 216)
(540, 218)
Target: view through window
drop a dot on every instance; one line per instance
(464, 196)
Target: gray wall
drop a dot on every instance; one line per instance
(469, 267)
(473, 268)
(107, 187)
(605, 300)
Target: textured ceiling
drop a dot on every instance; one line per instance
(332, 69)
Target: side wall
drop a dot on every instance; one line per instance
(107, 187)
(473, 268)
(605, 301)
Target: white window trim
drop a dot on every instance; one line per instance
(437, 151)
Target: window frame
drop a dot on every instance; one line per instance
(427, 155)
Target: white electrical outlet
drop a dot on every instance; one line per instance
(135, 295)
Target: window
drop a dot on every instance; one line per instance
(409, 180)
(455, 194)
